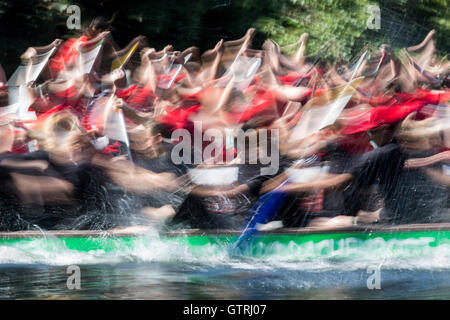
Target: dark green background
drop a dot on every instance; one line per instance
(202, 23)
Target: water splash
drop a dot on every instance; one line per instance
(327, 255)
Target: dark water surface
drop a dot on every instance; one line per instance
(166, 281)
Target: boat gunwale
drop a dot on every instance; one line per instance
(223, 232)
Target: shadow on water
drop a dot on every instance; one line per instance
(169, 281)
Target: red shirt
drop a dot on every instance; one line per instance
(66, 55)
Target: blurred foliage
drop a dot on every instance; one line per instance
(202, 23)
(341, 24)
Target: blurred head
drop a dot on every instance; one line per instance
(419, 135)
(3, 88)
(97, 26)
(3, 95)
(148, 139)
(2, 76)
(61, 134)
(7, 137)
